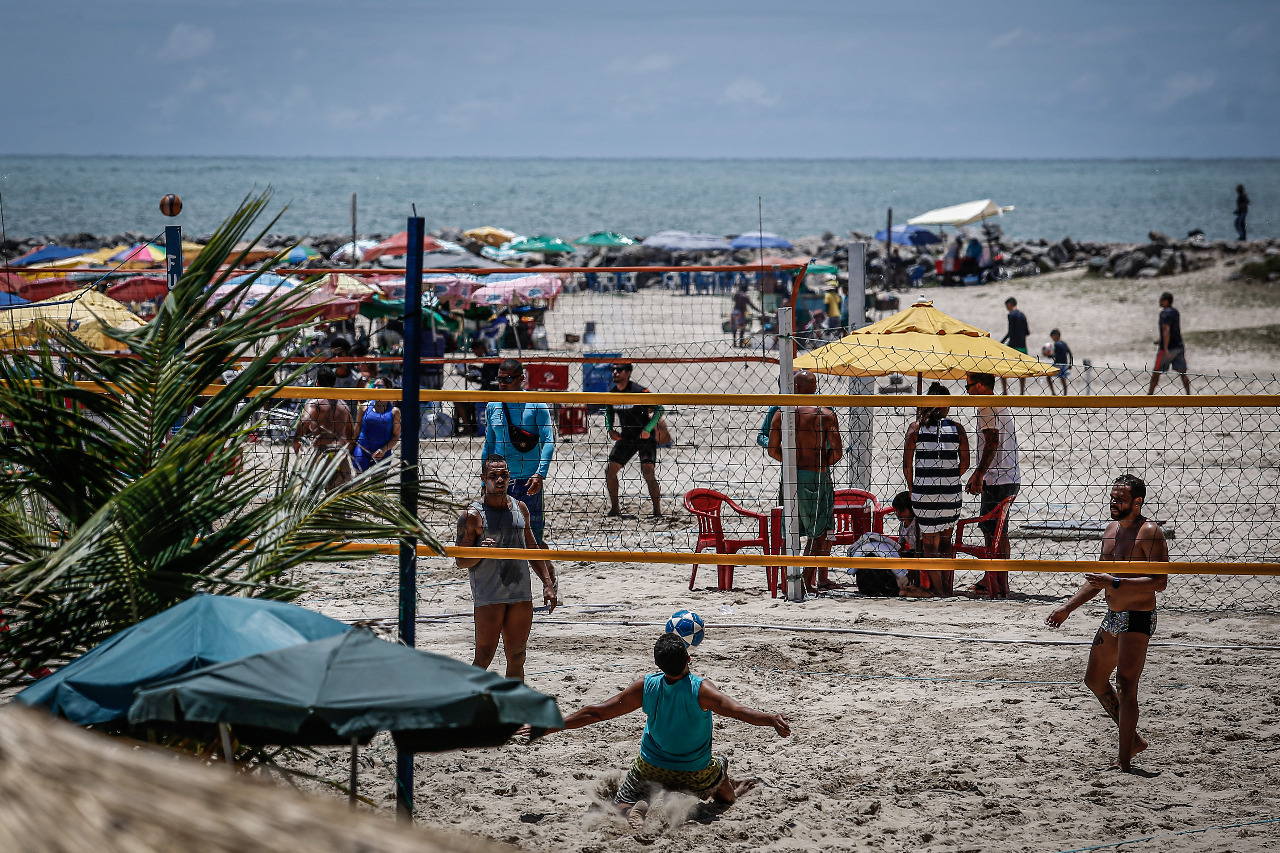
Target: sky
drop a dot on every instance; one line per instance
(690, 78)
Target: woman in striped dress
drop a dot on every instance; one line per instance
(934, 460)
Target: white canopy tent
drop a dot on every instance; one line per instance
(961, 214)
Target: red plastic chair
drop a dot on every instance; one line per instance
(856, 512)
(997, 582)
(707, 506)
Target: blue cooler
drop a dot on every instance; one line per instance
(597, 377)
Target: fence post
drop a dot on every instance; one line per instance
(861, 419)
(790, 511)
(1088, 376)
(410, 418)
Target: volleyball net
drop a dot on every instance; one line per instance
(1211, 464)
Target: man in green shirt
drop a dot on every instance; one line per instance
(634, 434)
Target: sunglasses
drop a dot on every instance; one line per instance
(507, 380)
(621, 370)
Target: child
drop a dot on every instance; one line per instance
(908, 544)
(1062, 359)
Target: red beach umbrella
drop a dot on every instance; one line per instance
(399, 245)
(46, 288)
(140, 288)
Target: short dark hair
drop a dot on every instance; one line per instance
(987, 379)
(623, 365)
(902, 501)
(510, 364)
(1166, 295)
(326, 377)
(1053, 332)
(492, 457)
(1011, 301)
(1137, 488)
(938, 388)
(670, 654)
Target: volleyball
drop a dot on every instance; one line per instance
(1047, 350)
(688, 625)
(171, 205)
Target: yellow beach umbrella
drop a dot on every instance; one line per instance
(491, 235)
(924, 341)
(53, 269)
(23, 326)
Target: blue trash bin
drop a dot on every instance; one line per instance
(597, 377)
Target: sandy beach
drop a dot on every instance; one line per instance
(953, 725)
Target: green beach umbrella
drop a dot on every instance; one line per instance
(611, 239)
(543, 244)
(821, 269)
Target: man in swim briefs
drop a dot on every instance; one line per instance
(675, 750)
(818, 447)
(1120, 645)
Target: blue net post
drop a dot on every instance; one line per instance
(410, 418)
(172, 254)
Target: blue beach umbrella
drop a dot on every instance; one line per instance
(97, 687)
(910, 235)
(760, 240)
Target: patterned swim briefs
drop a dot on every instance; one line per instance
(701, 783)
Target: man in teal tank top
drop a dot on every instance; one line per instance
(675, 751)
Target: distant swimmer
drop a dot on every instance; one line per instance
(1120, 645)
(675, 749)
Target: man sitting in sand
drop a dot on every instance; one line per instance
(675, 750)
(1120, 645)
(818, 447)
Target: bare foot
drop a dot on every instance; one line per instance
(741, 786)
(1139, 744)
(636, 815)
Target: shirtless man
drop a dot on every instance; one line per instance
(818, 447)
(329, 425)
(1120, 645)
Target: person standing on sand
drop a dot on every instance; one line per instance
(739, 320)
(521, 433)
(502, 601)
(818, 447)
(997, 475)
(675, 749)
(1172, 353)
(634, 435)
(1242, 211)
(1120, 646)
(1016, 338)
(935, 456)
(1062, 359)
(329, 425)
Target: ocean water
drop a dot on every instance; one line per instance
(1107, 200)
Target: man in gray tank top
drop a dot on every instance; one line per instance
(502, 599)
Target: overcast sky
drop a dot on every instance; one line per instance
(638, 79)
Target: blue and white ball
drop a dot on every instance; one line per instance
(688, 625)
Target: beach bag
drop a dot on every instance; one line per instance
(876, 582)
(521, 439)
(762, 437)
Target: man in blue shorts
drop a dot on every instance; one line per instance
(1171, 353)
(675, 750)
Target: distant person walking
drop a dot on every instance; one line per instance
(1172, 353)
(1062, 359)
(1242, 211)
(1016, 338)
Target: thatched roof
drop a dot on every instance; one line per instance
(64, 790)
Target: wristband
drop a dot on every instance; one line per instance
(1115, 583)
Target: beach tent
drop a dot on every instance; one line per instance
(7, 298)
(543, 244)
(924, 341)
(683, 241)
(491, 236)
(523, 289)
(608, 239)
(349, 687)
(399, 245)
(45, 254)
(358, 248)
(909, 235)
(46, 288)
(760, 240)
(960, 214)
(24, 326)
(139, 288)
(98, 686)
